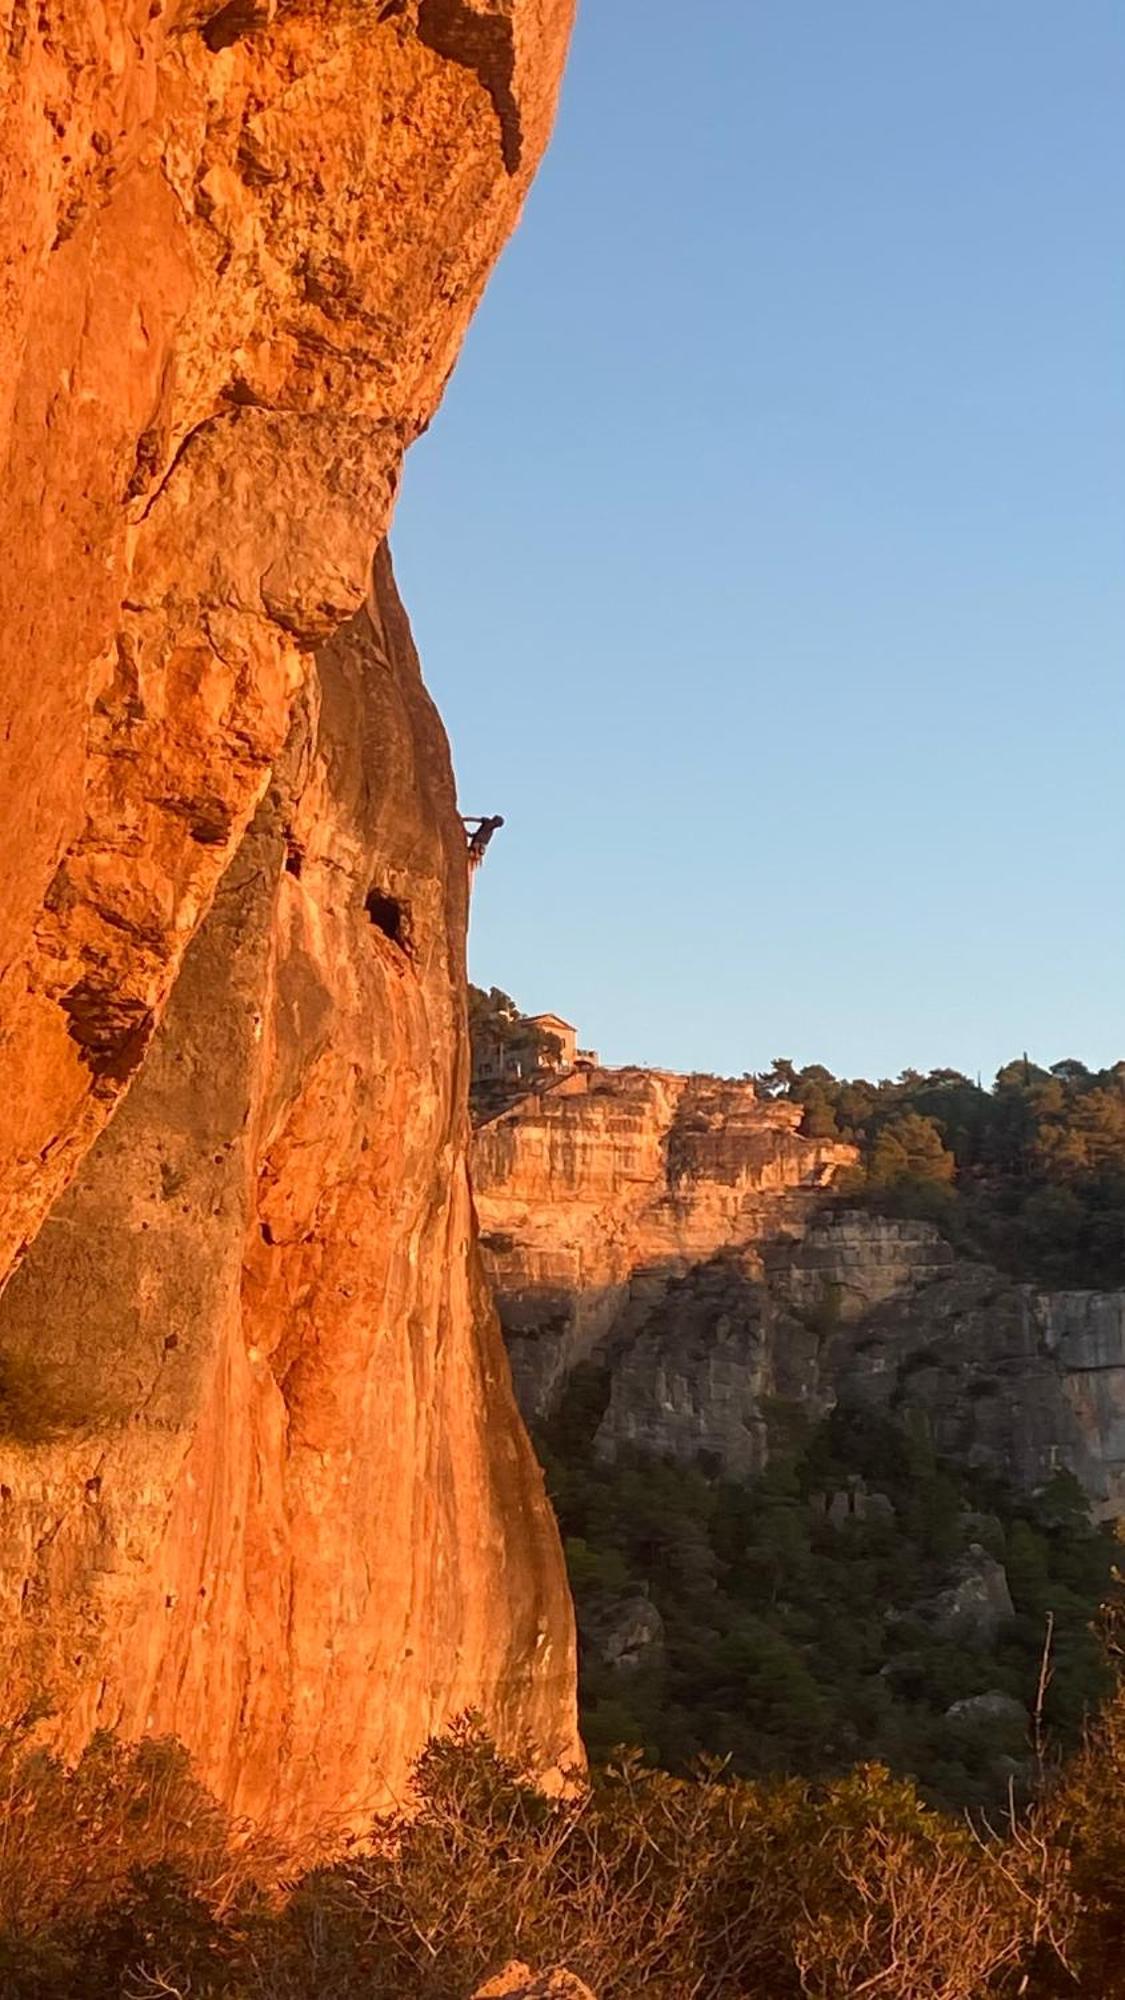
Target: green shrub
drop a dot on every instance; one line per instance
(700, 1888)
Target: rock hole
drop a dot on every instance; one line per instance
(294, 859)
(171, 1340)
(93, 1487)
(266, 1233)
(389, 916)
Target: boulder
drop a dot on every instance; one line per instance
(977, 1601)
(994, 1708)
(624, 1634)
(518, 1982)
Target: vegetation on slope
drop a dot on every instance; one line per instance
(1029, 1174)
(797, 1643)
(114, 1882)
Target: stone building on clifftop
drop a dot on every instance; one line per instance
(536, 1046)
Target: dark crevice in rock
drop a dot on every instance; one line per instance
(483, 43)
(389, 916)
(209, 820)
(146, 463)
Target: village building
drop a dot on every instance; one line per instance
(549, 1050)
(561, 1032)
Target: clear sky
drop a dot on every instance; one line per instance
(767, 558)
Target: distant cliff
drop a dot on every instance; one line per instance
(598, 1193)
(683, 1230)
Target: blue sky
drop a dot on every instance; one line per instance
(767, 557)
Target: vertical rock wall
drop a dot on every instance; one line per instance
(262, 1483)
(239, 247)
(599, 1196)
(675, 1231)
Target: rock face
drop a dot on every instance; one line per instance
(262, 1481)
(240, 246)
(603, 1193)
(678, 1230)
(1023, 1381)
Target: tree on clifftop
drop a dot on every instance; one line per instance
(909, 1147)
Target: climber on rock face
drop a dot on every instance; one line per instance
(478, 841)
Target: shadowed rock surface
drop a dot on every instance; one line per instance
(262, 1482)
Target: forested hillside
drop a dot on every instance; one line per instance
(861, 1599)
(1029, 1173)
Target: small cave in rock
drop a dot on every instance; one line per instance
(294, 859)
(389, 916)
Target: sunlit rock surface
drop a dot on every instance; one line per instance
(262, 1481)
(519, 1982)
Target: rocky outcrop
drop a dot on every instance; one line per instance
(679, 1232)
(518, 1982)
(993, 1710)
(624, 1632)
(264, 1486)
(262, 1482)
(601, 1193)
(976, 1603)
(1022, 1381)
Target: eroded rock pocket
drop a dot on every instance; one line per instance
(391, 917)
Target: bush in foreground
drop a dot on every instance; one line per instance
(122, 1878)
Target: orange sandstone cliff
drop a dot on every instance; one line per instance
(262, 1481)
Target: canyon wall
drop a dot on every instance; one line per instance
(262, 1480)
(599, 1194)
(676, 1229)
